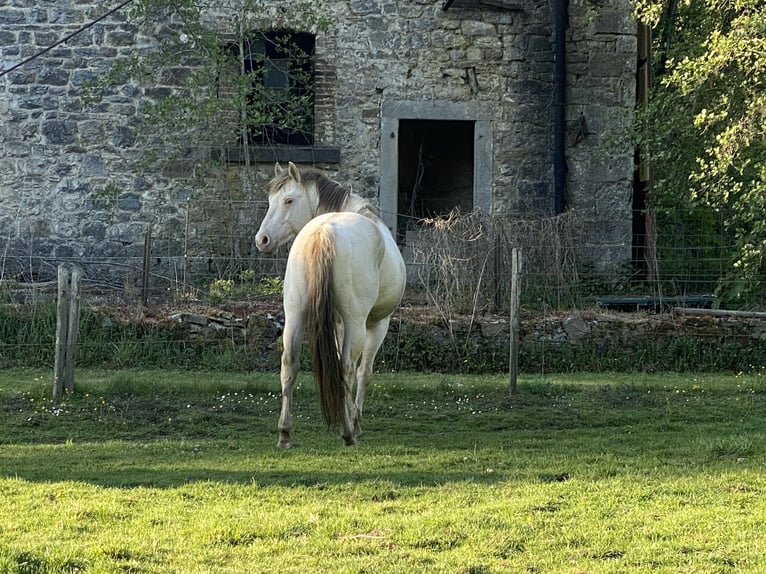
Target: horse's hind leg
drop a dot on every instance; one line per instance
(291, 340)
(375, 335)
(353, 347)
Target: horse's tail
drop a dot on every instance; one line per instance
(322, 313)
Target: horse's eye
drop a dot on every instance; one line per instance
(288, 201)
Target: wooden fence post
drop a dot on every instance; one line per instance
(513, 358)
(73, 329)
(62, 328)
(67, 326)
(147, 257)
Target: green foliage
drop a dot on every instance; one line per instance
(220, 290)
(427, 348)
(175, 471)
(223, 290)
(6, 288)
(271, 286)
(27, 337)
(27, 334)
(704, 130)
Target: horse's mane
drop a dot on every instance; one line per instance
(332, 195)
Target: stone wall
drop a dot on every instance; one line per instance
(589, 341)
(70, 187)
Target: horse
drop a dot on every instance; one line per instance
(345, 276)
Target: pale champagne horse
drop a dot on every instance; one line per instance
(344, 278)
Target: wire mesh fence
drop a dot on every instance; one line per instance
(180, 296)
(460, 261)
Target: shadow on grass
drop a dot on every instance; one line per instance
(291, 477)
(424, 436)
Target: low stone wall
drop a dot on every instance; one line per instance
(578, 341)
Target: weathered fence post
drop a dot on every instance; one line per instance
(73, 329)
(62, 320)
(147, 257)
(67, 326)
(513, 358)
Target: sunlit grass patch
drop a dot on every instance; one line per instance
(168, 472)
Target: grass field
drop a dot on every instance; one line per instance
(177, 472)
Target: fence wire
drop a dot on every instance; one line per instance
(459, 262)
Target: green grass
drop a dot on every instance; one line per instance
(177, 472)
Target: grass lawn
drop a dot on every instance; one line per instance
(178, 472)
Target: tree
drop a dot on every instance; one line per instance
(704, 130)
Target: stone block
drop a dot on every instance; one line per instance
(611, 65)
(575, 328)
(123, 137)
(59, 132)
(612, 22)
(8, 38)
(477, 28)
(365, 7)
(127, 232)
(53, 77)
(22, 76)
(11, 16)
(129, 202)
(93, 230)
(72, 186)
(92, 165)
(120, 38)
(30, 104)
(92, 131)
(540, 44)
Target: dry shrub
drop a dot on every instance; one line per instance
(464, 261)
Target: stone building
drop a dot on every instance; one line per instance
(516, 107)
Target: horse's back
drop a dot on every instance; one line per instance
(368, 269)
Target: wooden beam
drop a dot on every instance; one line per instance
(720, 313)
(478, 4)
(269, 154)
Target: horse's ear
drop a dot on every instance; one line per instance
(294, 172)
(278, 169)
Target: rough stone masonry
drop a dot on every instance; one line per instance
(71, 187)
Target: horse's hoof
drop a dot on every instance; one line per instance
(284, 443)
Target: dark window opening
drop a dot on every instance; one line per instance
(435, 169)
(279, 65)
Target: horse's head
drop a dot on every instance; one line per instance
(291, 206)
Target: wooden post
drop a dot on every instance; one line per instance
(73, 329)
(513, 358)
(147, 258)
(497, 260)
(186, 246)
(62, 328)
(67, 327)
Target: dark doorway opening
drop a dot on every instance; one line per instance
(435, 169)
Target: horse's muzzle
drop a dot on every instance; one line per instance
(263, 243)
